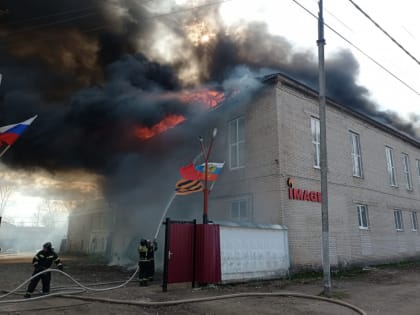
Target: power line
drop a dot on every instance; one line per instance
(360, 50)
(36, 27)
(383, 31)
(94, 29)
(40, 17)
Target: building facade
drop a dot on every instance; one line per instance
(272, 176)
(89, 228)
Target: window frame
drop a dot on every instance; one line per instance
(240, 217)
(364, 207)
(414, 221)
(356, 156)
(418, 170)
(316, 142)
(406, 171)
(398, 220)
(392, 178)
(235, 145)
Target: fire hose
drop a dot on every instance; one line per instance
(84, 288)
(219, 297)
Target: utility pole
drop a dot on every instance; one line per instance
(206, 154)
(323, 156)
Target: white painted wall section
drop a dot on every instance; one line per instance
(253, 253)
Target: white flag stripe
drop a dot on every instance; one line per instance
(26, 122)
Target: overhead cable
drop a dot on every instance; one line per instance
(360, 50)
(385, 32)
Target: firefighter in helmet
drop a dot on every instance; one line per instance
(151, 248)
(143, 262)
(42, 261)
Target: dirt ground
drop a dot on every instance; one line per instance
(384, 290)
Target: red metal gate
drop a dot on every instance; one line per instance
(192, 253)
(181, 252)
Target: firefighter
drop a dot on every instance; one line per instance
(42, 261)
(143, 262)
(151, 248)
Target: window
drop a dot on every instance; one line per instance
(237, 143)
(239, 210)
(398, 220)
(406, 171)
(414, 222)
(356, 155)
(316, 141)
(362, 213)
(418, 170)
(390, 166)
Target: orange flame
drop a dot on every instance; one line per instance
(211, 98)
(170, 121)
(206, 97)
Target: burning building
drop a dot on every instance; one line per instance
(273, 177)
(122, 91)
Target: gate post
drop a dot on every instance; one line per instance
(166, 256)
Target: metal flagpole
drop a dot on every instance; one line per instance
(168, 205)
(4, 151)
(206, 154)
(323, 157)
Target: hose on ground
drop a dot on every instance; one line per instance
(219, 297)
(83, 287)
(164, 303)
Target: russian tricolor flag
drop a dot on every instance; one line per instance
(10, 133)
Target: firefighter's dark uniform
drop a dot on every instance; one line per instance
(42, 261)
(143, 262)
(151, 248)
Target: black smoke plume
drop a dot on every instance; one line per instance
(93, 70)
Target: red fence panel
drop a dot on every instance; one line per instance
(208, 263)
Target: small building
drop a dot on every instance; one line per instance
(17, 239)
(89, 228)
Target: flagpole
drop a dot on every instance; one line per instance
(206, 154)
(168, 205)
(4, 151)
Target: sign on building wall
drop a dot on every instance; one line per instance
(302, 194)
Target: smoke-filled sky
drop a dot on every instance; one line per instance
(103, 74)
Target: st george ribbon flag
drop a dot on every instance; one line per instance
(10, 133)
(187, 186)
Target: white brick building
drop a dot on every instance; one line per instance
(374, 177)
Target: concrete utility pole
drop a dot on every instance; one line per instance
(323, 156)
(206, 154)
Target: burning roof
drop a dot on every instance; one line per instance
(106, 76)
